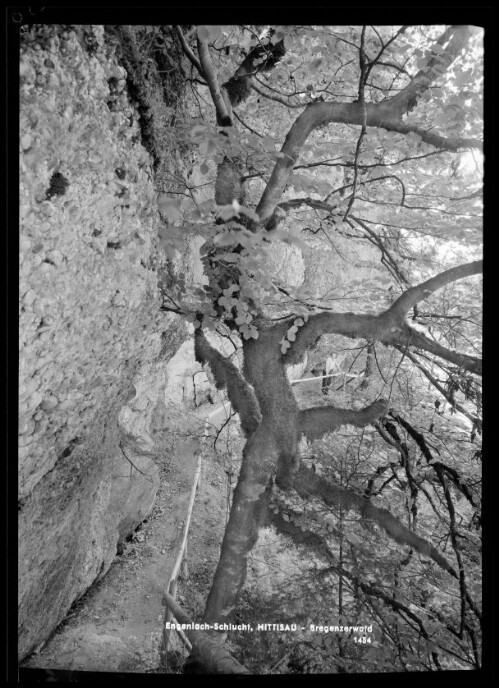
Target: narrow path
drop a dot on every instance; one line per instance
(116, 626)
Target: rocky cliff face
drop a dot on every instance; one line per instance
(101, 368)
(93, 346)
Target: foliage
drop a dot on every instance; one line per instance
(377, 184)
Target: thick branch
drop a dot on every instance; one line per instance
(308, 484)
(241, 394)
(317, 114)
(272, 446)
(422, 291)
(222, 106)
(386, 115)
(318, 543)
(418, 340)
(456, 38)
(383, 328)
(450, 143)
(388, 327)
(318, 421)
(188, 52)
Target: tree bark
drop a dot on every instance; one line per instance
(390, 326)
(222, 105)
(270, 450)
(270, 416)
(318, 421)
(385, 115)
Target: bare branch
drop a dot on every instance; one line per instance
(420, 440)
(317, 114)
(389, 327)
(362, 85)
(313, 540)
(309, 484)
(278, 99)
(386, 257)
(473, 419)
(465, 596)
(188, 52)
(450, 143)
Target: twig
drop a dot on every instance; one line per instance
(146, 475)
(221, 428)
(245, 124)
(362, 103)
(278, 99)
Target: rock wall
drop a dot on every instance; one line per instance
(93, 345)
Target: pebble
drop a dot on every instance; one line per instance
(99, 243)
(65, 405)
(24, 67)
(39, 307)
(34, 400)
(40, 426)
(29, 297)
(55, 256)
(29, 387)
(27, 73)
(22, 453)
(25, 214)
(49, 403)
(25, 269)
(48, 209)
(24, 243)
(23, 441)
(26, 141)
(26, 427)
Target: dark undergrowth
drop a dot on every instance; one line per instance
(156, 80)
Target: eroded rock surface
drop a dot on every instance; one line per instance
(93, 345)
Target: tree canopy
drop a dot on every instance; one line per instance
(337, 186)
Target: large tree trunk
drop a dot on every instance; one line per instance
(271, 448)
(273, 429)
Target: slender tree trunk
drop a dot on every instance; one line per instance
(369, 366)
